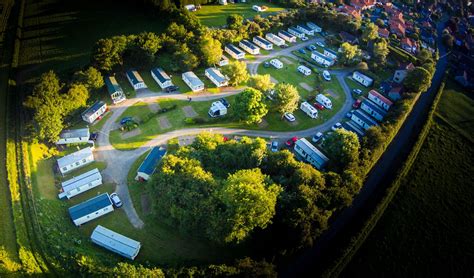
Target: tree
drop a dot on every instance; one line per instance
(185, 59)
(349, 53)
(211, 50)
(132, 271)
(381, 52)
(91, 78)
(237, 72)
(107, 53)
(249, 106)
(76, 97)
(262, 82)
(418, 80)
(234, 21)
(343, 149)
(249, 200)
(373, 138)
(370, 33)
(287, 98)
(148, 42)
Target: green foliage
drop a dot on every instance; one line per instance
(261, 82)
(126, 270)
(28, 261)
(381, 52)
(91, 78)
(287, 98)
(234, 21)
(185, 59)
(349, 53)
(343, 149)
(7, 265)
(211, 50)
(76, 97)
(249, 106)
(370, 33)
(107, 53)
(418, 80)
(237, 72)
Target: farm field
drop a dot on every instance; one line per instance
(433, 205)
(216, 15)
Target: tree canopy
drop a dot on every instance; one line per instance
(418, 80)
(343, 149)
(349, 53)
(261, 82)
(237, 72)
(287, 98)
(249, 106)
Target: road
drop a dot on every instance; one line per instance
(380, 175)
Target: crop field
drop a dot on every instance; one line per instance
(216, 15)
(427, 229)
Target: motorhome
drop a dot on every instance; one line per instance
(309, 110)
(324, 100)
(217, 109)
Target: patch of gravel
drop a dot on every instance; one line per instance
(186, 140)
(164, 122)
(154, 106)
(294, 123)
(330, 92)
(306, 86)
(145, 200)
(286, 60)
(131, 133)
(189, 111)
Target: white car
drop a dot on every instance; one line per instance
(320, 44)
(304, 39)
(289, 117)
(336, 126)
(317, 137)
(326, 75)
(274, 146)
(116, 200)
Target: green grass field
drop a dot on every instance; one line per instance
(216, 15)
(427, 229)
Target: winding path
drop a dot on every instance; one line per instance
(120, 162)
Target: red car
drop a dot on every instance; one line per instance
(357, 103)
(318, 106)
(291, 142)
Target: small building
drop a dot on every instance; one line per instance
(224, 61)
(347, 37)
(330, 53)
(286, 36)
(276, 63)
(216, 77)
(115, 242)
(311, 154)
(379, 99)
(249, 47)
(395, 93)
(384, 33)
(115, 91)
(314, 27)
(217, 109)
(75, 160)
(161, 77)
(234, 51)
(276, 40)
(80, 184)
(352, 126)
(305, 30)
(135, 80)
(193, 82)
(263, 43)
(362, 79)
(91, 209)
(402, 72)
(322, 59)
(408, 45)
(148, 166)
(295, 32)
(373, 109)
(362, 119)
(74, 136)
(94, 112)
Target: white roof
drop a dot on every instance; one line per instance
(74, 157)
(80, 180)
(74, 133)
(115, 242)
(363, 76)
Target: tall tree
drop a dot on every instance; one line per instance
(261, 82)
(234, 21)
(370, 33)
(211, 50)
(381, 52)
(249, 106)
(287, 98)
(91, 78)
(107, 53)
(237, 72)
(343, 149)
(76, 97)
(349, 53)
(418, 80)
(185, 59)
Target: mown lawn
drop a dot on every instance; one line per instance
(216, 15)
(427, 229)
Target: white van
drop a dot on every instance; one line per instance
(217, 109)
(325, 101)
(276, 63)
(304, 70)
(309, 110)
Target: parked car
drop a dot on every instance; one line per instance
(311, 47)
(349, 114)
(301, 50)
(266, 65)
(291, 142)
(357, 91)
(94, 136)
(326, 75)
(320, 44)
(170, 89)
(289, 117)
(284, 46)
(357, 103)
(274, 147)
(304, 39)
(115, 200)
(318, 106)
(126, 120)
(317, 137)
(336, 126)
(225, 102)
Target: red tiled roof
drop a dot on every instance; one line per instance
(383, 32)
(381, 97)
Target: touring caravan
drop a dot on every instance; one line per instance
(325, 101)
(309, 110)
(217, 109)
(276, 63)
(304, 70)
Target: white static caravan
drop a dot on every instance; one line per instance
(217, 109)
(148, 166)
(94, 112)
(276, 40)
(115, 91)
(286, 36)
(80, 184)
(224, 61)
(373, 109)
(321, 59)
(74, 136)
(234, 51)
(362, 119)
(75, 160)
(309, 110)
(306, 30)
(193, 82)
(91, 209)
(161, 77)
(380, 100)
(295, 32)
(263, 43)
(257, 8)
(276, 63)
(330, 53)
(115, 242)
(304, 70)
(362, 79)
(249, 47)
(135, 80)
(311, 154)
(314, 27)
(216, 77)
(324, 100)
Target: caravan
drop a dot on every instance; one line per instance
(309, 110)
(217, 109)
(276, 63)
(325, 101)
(304, 70)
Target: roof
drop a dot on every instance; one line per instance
(383, 32)
(74, 157)
(249, 44)
(234, 49)
(193, 79)
(262, 40)
(312, 24)
(94, 108)
(374, 107)
(112, 85)
(352, 126)
(322, 56)
(294, 30)
(161, 75)
(364, 117)
(149, 164)
(407, 41)
(363, 76)
(347, 37)
(312, 151)
(90, 206)
(74, 133)
(396, 90)
(285, 33)
(134, 76)
(216, 75)
(381, 97)
(80, 180)
(330, 51)
(304, 27)
(273, 36)
(115, 242)
(406, 66)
